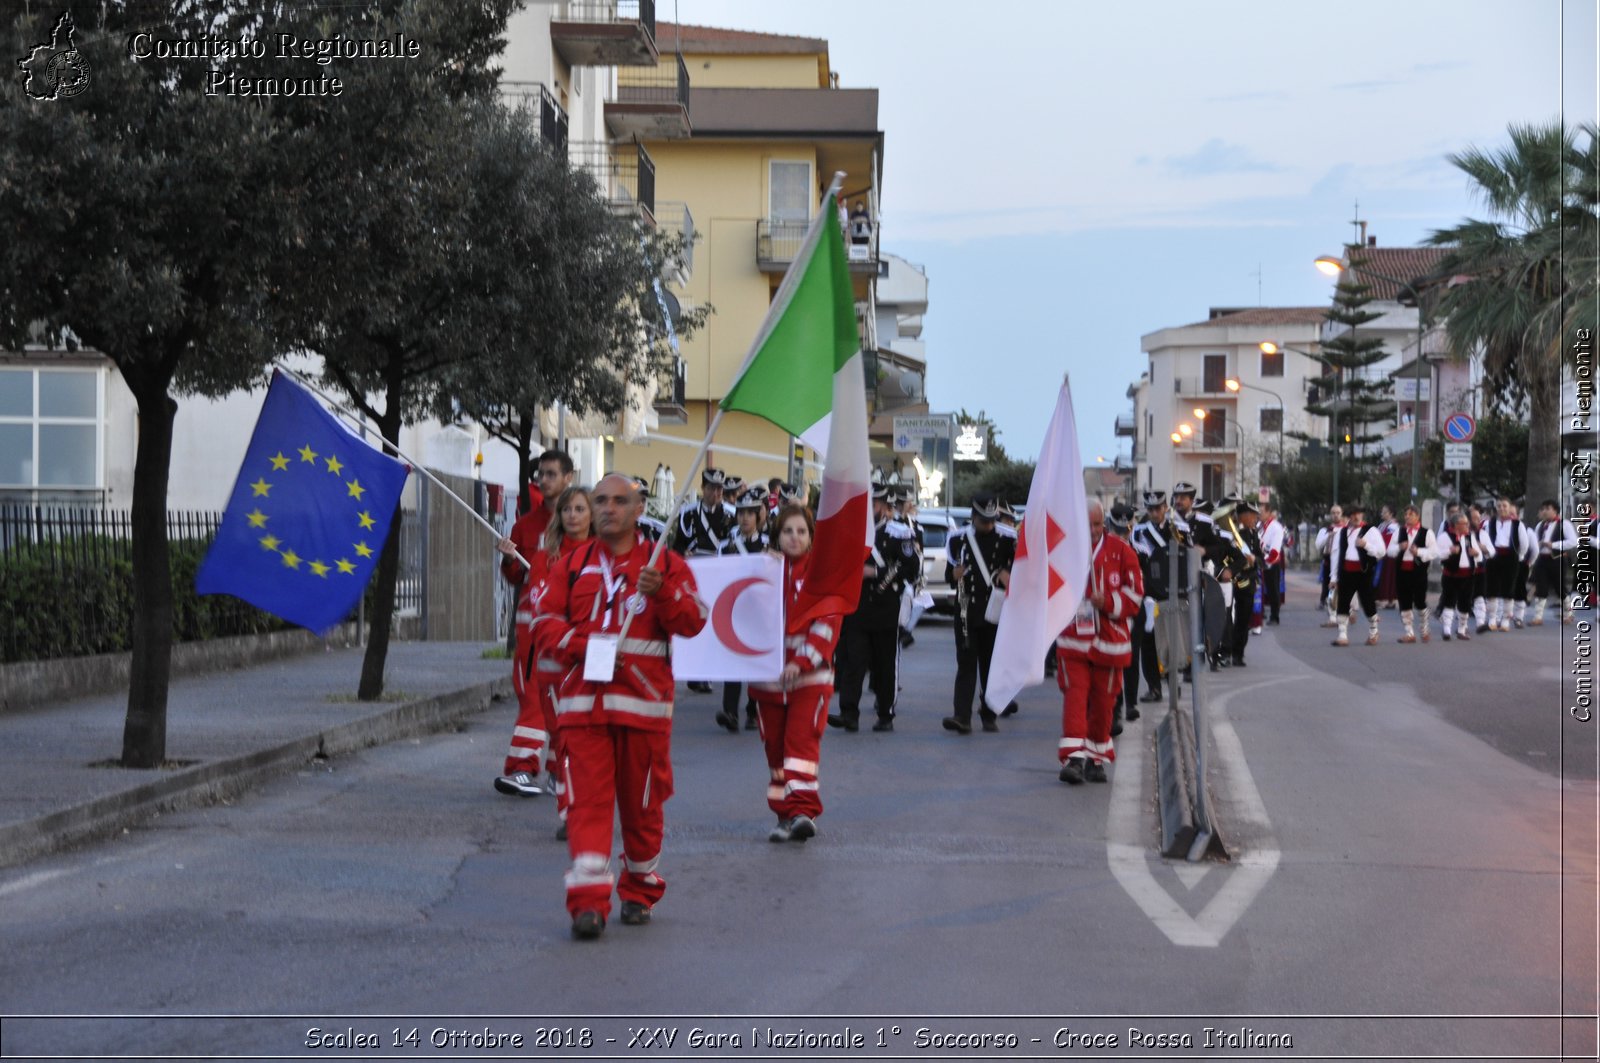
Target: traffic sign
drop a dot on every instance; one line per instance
(1458, 456)
(1460, 428)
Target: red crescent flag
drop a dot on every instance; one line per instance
(743, 638)
(1052, 564)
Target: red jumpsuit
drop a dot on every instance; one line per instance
(527, 534)
(1094, 649)
(617, 733)
(792, 722)
(534, 739)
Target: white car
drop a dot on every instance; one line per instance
(937, 524)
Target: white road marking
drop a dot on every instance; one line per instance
(38, 878)
(1129, 858)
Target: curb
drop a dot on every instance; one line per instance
(207, 784)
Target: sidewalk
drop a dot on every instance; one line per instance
(226, 732)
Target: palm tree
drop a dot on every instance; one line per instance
(1529, 273)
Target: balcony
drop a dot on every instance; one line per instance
(606, 33)
(1126, 425)
(673, 216)
(625, 173)
(778, 242)
(1203, 386)
(651, 104)
(669, 401)
(550, 115)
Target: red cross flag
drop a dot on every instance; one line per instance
(743, 640)
(1052, 563)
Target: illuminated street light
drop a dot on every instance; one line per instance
(1187, 429)
(1177, 437)
(1199, 414)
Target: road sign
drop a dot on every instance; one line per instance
(910, 430)
(1460, 428)
(1457, 456)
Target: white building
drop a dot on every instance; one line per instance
(902, 356)
(1229, 403)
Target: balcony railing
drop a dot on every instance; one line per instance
(673, 216)
(1125, 424)
(606, 33)
(551, 115)
(1203, 385)
(651, 102)
(778, 242)
(669, 401)
(625, 173)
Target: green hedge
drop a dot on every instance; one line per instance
(74, 598)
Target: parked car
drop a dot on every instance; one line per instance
(937, 524)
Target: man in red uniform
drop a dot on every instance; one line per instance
(527, 534)
(1092, 652)
(614, 704)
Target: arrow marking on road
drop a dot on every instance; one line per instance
(1129, 858)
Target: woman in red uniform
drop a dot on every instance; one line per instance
(794, 710)
(533, 738)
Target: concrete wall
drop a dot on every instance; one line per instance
(462, 568)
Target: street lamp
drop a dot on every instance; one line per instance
(1234, 384)
(1185, 431)
(1333, 267)
(1268, 347)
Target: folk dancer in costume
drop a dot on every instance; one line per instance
(1450, 511)
(1530, 554)
(978, 566)
(1329, 576)
(748, 538)
(617, 725)
(1460, 557)
(1388, 527)
(535, 747)
(794, 708)
(1477, 520)
(1554, 538)
(1151, 539)
(1508, 543)
(1272, 562)
(1243, 570)
(1356, 549)
(1409, 552)
(869, 639)
(1092, 652)
(701, 529)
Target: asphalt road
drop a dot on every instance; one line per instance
(1413, 874)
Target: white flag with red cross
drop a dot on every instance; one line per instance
(742, 641)
(1051, 568)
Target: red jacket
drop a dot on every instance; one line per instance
(1103, 637)
(531, 585)
(587, 593)
(527, 534)
(809, 644)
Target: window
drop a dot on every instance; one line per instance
(1211, 482)
(1215, 433)
(789, 193)
(1216, 371)
(50, 427)
(1272, 364)
(1272, 420)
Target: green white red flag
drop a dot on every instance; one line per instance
(804, 374)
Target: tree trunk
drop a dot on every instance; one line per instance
(144, 732)
(388, 574)
(1543, 478)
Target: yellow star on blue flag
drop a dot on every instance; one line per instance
(312, 514)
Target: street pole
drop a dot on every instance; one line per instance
(1416, 404)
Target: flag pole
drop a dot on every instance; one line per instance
(331, 401)
(790, 281)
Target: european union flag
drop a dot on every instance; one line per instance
(308, 516)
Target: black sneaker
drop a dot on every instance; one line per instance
(1094, 771)
(728, 721)
(518, 784)
(1071, 772)
(839, 721)
(699, 687)
(950, 723)
(1010, 709)
(635, 913)
(751, 722)
(801, 828)
(1238, 662)
(885, 723)
(1116, 727)
(1130, 713)
(782, 832)
(1148, 696)
(989, 725)
(587, 925)
(907, 640)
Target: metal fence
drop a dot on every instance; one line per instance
(66, 581)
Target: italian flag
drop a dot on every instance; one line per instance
(804, 374)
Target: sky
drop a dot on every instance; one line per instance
(1074, 175)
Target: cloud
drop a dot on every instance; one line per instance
(1217, 157)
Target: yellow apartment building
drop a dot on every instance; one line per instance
(768, 127)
